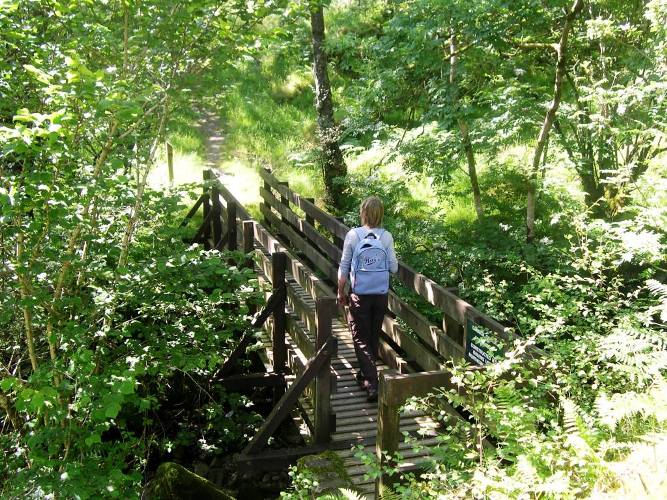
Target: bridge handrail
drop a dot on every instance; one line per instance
(227, 224)
(427, 350)
(325, 255)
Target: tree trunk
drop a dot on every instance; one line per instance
(141, 187)
(71, 245)
(9, 410)
(463, 127)
(561, 50)
(26, 296)
(333, 164)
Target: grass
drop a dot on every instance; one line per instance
(189, 153)
(242, 179)
(268, 120)
(188, 168)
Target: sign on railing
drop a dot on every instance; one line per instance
(482, 346)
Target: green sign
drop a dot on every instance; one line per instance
(482, 344)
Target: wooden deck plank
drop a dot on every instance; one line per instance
(356, 419)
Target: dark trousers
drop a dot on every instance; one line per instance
(365, 319)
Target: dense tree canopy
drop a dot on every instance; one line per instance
(519, 148)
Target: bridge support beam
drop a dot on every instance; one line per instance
(325, 310)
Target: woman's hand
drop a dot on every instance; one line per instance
(342, 298)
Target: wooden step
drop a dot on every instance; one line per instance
(403, 447)
(356, 419)
(421, 428)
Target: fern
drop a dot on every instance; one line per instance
(652, 403)
(660, 289)
(580, 433)
(637, 353)
(507, 398)
(390, 494)
(570, 417)
(348, 494)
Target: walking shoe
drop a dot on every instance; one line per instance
(359, 377)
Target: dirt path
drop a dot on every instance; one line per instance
(239, 175)
(210, 128)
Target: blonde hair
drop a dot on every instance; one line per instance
(371, 212)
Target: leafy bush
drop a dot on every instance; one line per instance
(136, 345)
(586, 293)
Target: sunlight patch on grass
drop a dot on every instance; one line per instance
(559, 171)
(243, 180)
(188, 167)
(652, 186)
(461, 211)
(187, 142)
(306, 182)
(292, 86)
(372, 161)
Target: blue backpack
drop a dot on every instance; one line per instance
(370, 266)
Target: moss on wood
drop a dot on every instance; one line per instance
(329, 471)
(174, 482)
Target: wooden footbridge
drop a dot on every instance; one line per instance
(308, 350)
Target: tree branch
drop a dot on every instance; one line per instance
(549, 117)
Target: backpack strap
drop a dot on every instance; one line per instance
(377, 232)
(356, 231)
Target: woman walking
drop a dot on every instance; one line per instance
(368, 258)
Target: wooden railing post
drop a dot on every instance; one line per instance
(207, 206)
(170, 163)
(267, 187)
(388, 429)
(232, 244)
(278, 267)
(248, 240)
(325, 308)
(217, 213)
(309, 218)
(453, 329)
(284, 200)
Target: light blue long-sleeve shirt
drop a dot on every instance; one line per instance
(351, 240)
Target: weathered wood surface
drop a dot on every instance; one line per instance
(216, 221)
(325, 309)
(232, 225)
(246, 381)
(284, 406)
(448, 343)
(356, 420)
(324, 254)
(204, 230)
(278, 267)
(193, 210)
(275, 460)
(206, 208)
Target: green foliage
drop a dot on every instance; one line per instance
(111, 323)
(581, 295)
(175, 313)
